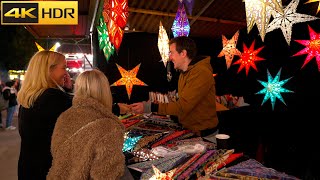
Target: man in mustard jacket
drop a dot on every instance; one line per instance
(196, 106)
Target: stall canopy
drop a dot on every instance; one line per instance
(209, 18)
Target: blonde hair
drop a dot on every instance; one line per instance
(94, 84)
(37, 78)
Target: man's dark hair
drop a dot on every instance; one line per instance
(185, 43)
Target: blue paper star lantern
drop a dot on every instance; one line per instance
(130, 143)
(181, 25)
(273, 89)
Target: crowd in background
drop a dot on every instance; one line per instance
(8, 91)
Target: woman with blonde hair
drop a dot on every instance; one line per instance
(88, 138)
(42, 99)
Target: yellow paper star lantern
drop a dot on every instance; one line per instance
(310, 1)
(259, 12)
(129, 79)
(158, 175)
(53, 48)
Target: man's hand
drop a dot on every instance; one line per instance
(137, 108)
(124, 108)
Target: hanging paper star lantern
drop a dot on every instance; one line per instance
(130, 142)
(249, 57)
(115, 34)
(39, 47)
(286, 20)
(129, 79)
(312, 48)
(181, 25)
(158, 175)
(115, 13)
(229, 48)
(259, 12)
(163, 44)
(310, 1)
(104, 42)
(117, 10)
(53, 48)
(273, 89)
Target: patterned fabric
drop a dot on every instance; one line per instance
(163, 164)
(170, 137)
(231, 101)
(252, 168)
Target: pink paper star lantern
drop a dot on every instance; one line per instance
(312, 48)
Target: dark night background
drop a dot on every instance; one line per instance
(286, 136)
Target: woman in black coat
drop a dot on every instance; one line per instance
(42, 99)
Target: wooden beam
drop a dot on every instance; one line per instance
(201, 12)
(201, 18)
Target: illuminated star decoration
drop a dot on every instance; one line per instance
(249, 57)
(129, 79)
(286, 20)
(259, 12)
(130, 143)
(53, 48)
(312, 48)
(229, 48)
(181, 25)
(158, 175)
(163, 44)
(310, 1)
(104, 42)
(115, 13)
(273, 89)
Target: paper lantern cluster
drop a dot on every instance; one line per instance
(115, 14)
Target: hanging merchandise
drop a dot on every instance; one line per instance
(129, 79)
(229, 48)
(104, 42)
(312, 48)
(163, 44)
(249, 57)
(273, 89)
(310, 1)
(289, 18)
(259, 12)
(181, 25)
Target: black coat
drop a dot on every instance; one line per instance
(36, 126)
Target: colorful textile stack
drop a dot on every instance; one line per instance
(252, 169)
(163, 164)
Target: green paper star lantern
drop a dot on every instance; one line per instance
(104, 42)
(273, 89)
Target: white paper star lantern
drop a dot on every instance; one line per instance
(163, 44)
(259, 12)
(286, 20)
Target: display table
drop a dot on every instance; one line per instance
(155, 146)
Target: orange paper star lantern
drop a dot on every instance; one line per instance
(249, 57)
(129, 79)
(310, 1)
(229, 48)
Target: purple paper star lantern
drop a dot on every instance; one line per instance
(181, 25)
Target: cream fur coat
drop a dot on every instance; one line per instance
(87, 143)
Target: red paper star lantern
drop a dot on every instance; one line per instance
(249, 57)
(312, 48)
(115, 34)
(129, 79)
(117, 10)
